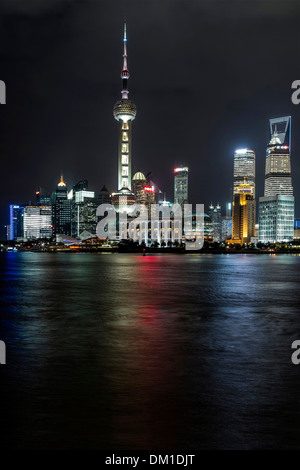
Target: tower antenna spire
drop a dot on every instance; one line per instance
(125, 72)
(124, 112)
(125, 48)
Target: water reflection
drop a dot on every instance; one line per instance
(155, 352)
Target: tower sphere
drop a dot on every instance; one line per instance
(125, 74)
(124, 110)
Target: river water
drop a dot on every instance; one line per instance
(172, 352)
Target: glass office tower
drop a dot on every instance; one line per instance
(181, 179)
(276, 218)
(276, 208)
(244, 168)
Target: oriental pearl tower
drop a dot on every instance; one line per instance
(124, 112)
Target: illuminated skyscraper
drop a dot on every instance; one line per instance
(276, 208)
(83, 209)
(243, 214)
(124, 112)
(62, 209)
(16, 215)
(278, 178)
(181, 176)
(138, 183)
(244, 167)
(215, 215)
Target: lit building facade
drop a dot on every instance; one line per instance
(215, 215)
(278, 179)
(244, 168)
(226, 223)
(181, 180)
(138, 184)
(226, 230)
(143, 190)
(276, 208)
(243, 214)
(62, 209)
(37, 222)
(83, 209)
(16, 222)
(276, 219)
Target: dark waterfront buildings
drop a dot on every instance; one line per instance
(104, 196)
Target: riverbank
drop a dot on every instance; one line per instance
(150, 250)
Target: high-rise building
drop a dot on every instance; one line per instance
(228, 209)
(215, 215)
(244, 168)
(144, 190)
(62, 209)
(124, 112)
(278, 178)
(226, 231)
(37, 222)
(104, 196)
(16, 219)
(226, 224)
(138, 184)
(82, 185)
(276, 218)
(83, 209)
(243, 214)
(276, 208)
(181, 176)
(42, 197)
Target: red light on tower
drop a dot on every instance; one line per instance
(37, 192)
(149, 188)
(184, 168)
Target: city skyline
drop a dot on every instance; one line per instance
(149, 228)
(244, 121)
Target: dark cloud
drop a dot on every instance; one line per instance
(32, 7)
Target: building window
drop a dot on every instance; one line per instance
(125, 183)
(125, 159)
(125, 137)
(125, 126)
(125, 171)
(125, 148)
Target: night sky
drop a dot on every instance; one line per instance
(205, 76)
